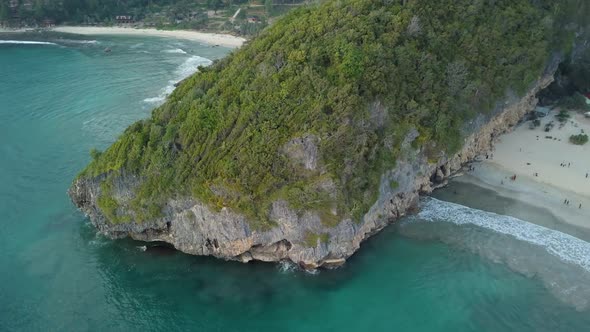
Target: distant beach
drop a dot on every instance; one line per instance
(541, 168)
(209, 38)
(6, 30)
(225, 40)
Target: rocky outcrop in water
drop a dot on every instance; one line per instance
(195, 228)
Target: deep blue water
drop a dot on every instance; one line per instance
(57, 274)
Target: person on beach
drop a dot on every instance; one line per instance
(579, 207)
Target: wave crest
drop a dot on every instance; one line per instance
(175, 51)
(564, 246)
(25, 42)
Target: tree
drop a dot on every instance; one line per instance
(4, 11)
(38, 9)
(214, 4)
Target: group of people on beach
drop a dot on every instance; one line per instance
(567, 202)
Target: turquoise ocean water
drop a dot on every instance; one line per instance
(450, 268)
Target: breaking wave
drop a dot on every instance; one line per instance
(75, 41)
(187, 68)
(155, 100)
(564, 246)
(25, 42)
(560, 260)
(191, 65)
(175, 51)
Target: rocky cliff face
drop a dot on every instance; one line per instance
(194, 228)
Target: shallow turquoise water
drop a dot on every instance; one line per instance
(58, 101)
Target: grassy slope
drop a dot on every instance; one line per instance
(318, 70)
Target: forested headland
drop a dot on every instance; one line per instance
(352, 77)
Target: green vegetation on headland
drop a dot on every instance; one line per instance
(353, 75)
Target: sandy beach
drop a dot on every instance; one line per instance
(209, 38)
(548, 171)
(5, 30)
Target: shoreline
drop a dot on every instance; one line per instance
(540, 164)
(215, 39)
(527, 190)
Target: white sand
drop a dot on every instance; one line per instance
(209, 38)
(525, 152)
(5, 30)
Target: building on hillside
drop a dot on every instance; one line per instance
(13, 4)
(124, 19)
(28, 5)
(48, 23)
(254, 19)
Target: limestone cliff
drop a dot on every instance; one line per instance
(194, 228)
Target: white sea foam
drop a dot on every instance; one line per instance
(175, 51)
(187, 68)
(191, 65)
(286, 266)
(563, 246)
(74, 41)
(25, 42)
(312, 272)
(155, 100)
